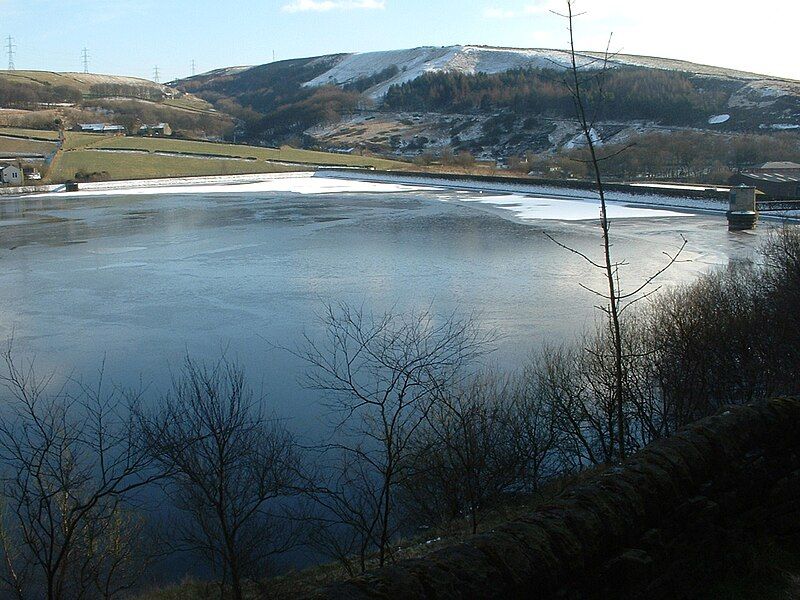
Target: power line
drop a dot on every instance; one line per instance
(194, 68)
(10, 50)
(85, 57)
(156, 75)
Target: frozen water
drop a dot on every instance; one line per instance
(532, 208)
(142, 275)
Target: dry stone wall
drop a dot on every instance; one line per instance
(654, 528)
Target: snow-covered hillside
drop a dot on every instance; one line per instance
(414, 62)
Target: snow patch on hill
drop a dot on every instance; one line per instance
(415, 62)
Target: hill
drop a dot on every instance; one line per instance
(491, 102)
(37, 98)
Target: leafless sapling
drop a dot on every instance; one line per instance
(229, 470)
(615, 301)
(69, 459)
(381, 375)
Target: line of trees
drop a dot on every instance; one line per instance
(27, 96)
(686, 155)
(31, 95)
(627, 93)
(424, 434)
(125, 90)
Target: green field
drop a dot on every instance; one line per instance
(190, 103)
(284, 154)
(33, 134)
(22, 146)
(111, 166)
(82, 154)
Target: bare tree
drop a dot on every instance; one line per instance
(70, 457)
(480, 442)
(464, 457)
(381, 374)
(533, 432)
(229, 470)
(615, 301)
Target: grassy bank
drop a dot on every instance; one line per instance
(111, 166)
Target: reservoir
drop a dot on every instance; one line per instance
(138, 277)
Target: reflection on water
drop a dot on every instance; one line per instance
(144, 279)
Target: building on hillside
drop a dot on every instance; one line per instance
(106, 128)
(779, 180)
(11, 175)
(31, 173)
(157, 130)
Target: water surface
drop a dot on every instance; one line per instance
(143, 278)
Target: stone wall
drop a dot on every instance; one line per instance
(654, 528)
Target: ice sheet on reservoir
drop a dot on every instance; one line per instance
(297, 185)
(533, 208)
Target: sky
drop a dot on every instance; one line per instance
(133, 37)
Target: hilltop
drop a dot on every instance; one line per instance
(85, 83)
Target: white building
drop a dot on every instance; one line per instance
(100, 128)
(11, 175)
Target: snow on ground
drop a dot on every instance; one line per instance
(579, 141)
(681, 186)
(719, 119)
(415, 62)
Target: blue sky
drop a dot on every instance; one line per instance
(131, 37)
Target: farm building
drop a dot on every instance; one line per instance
(31, 173)
(780, 180)
(157, 130)
(11, 175)
(100, 128)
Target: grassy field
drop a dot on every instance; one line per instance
(105, 165)
(157, 157)
(284, 154)
(190, 103)
(82, 153)
(23, 146)
(33, 134)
